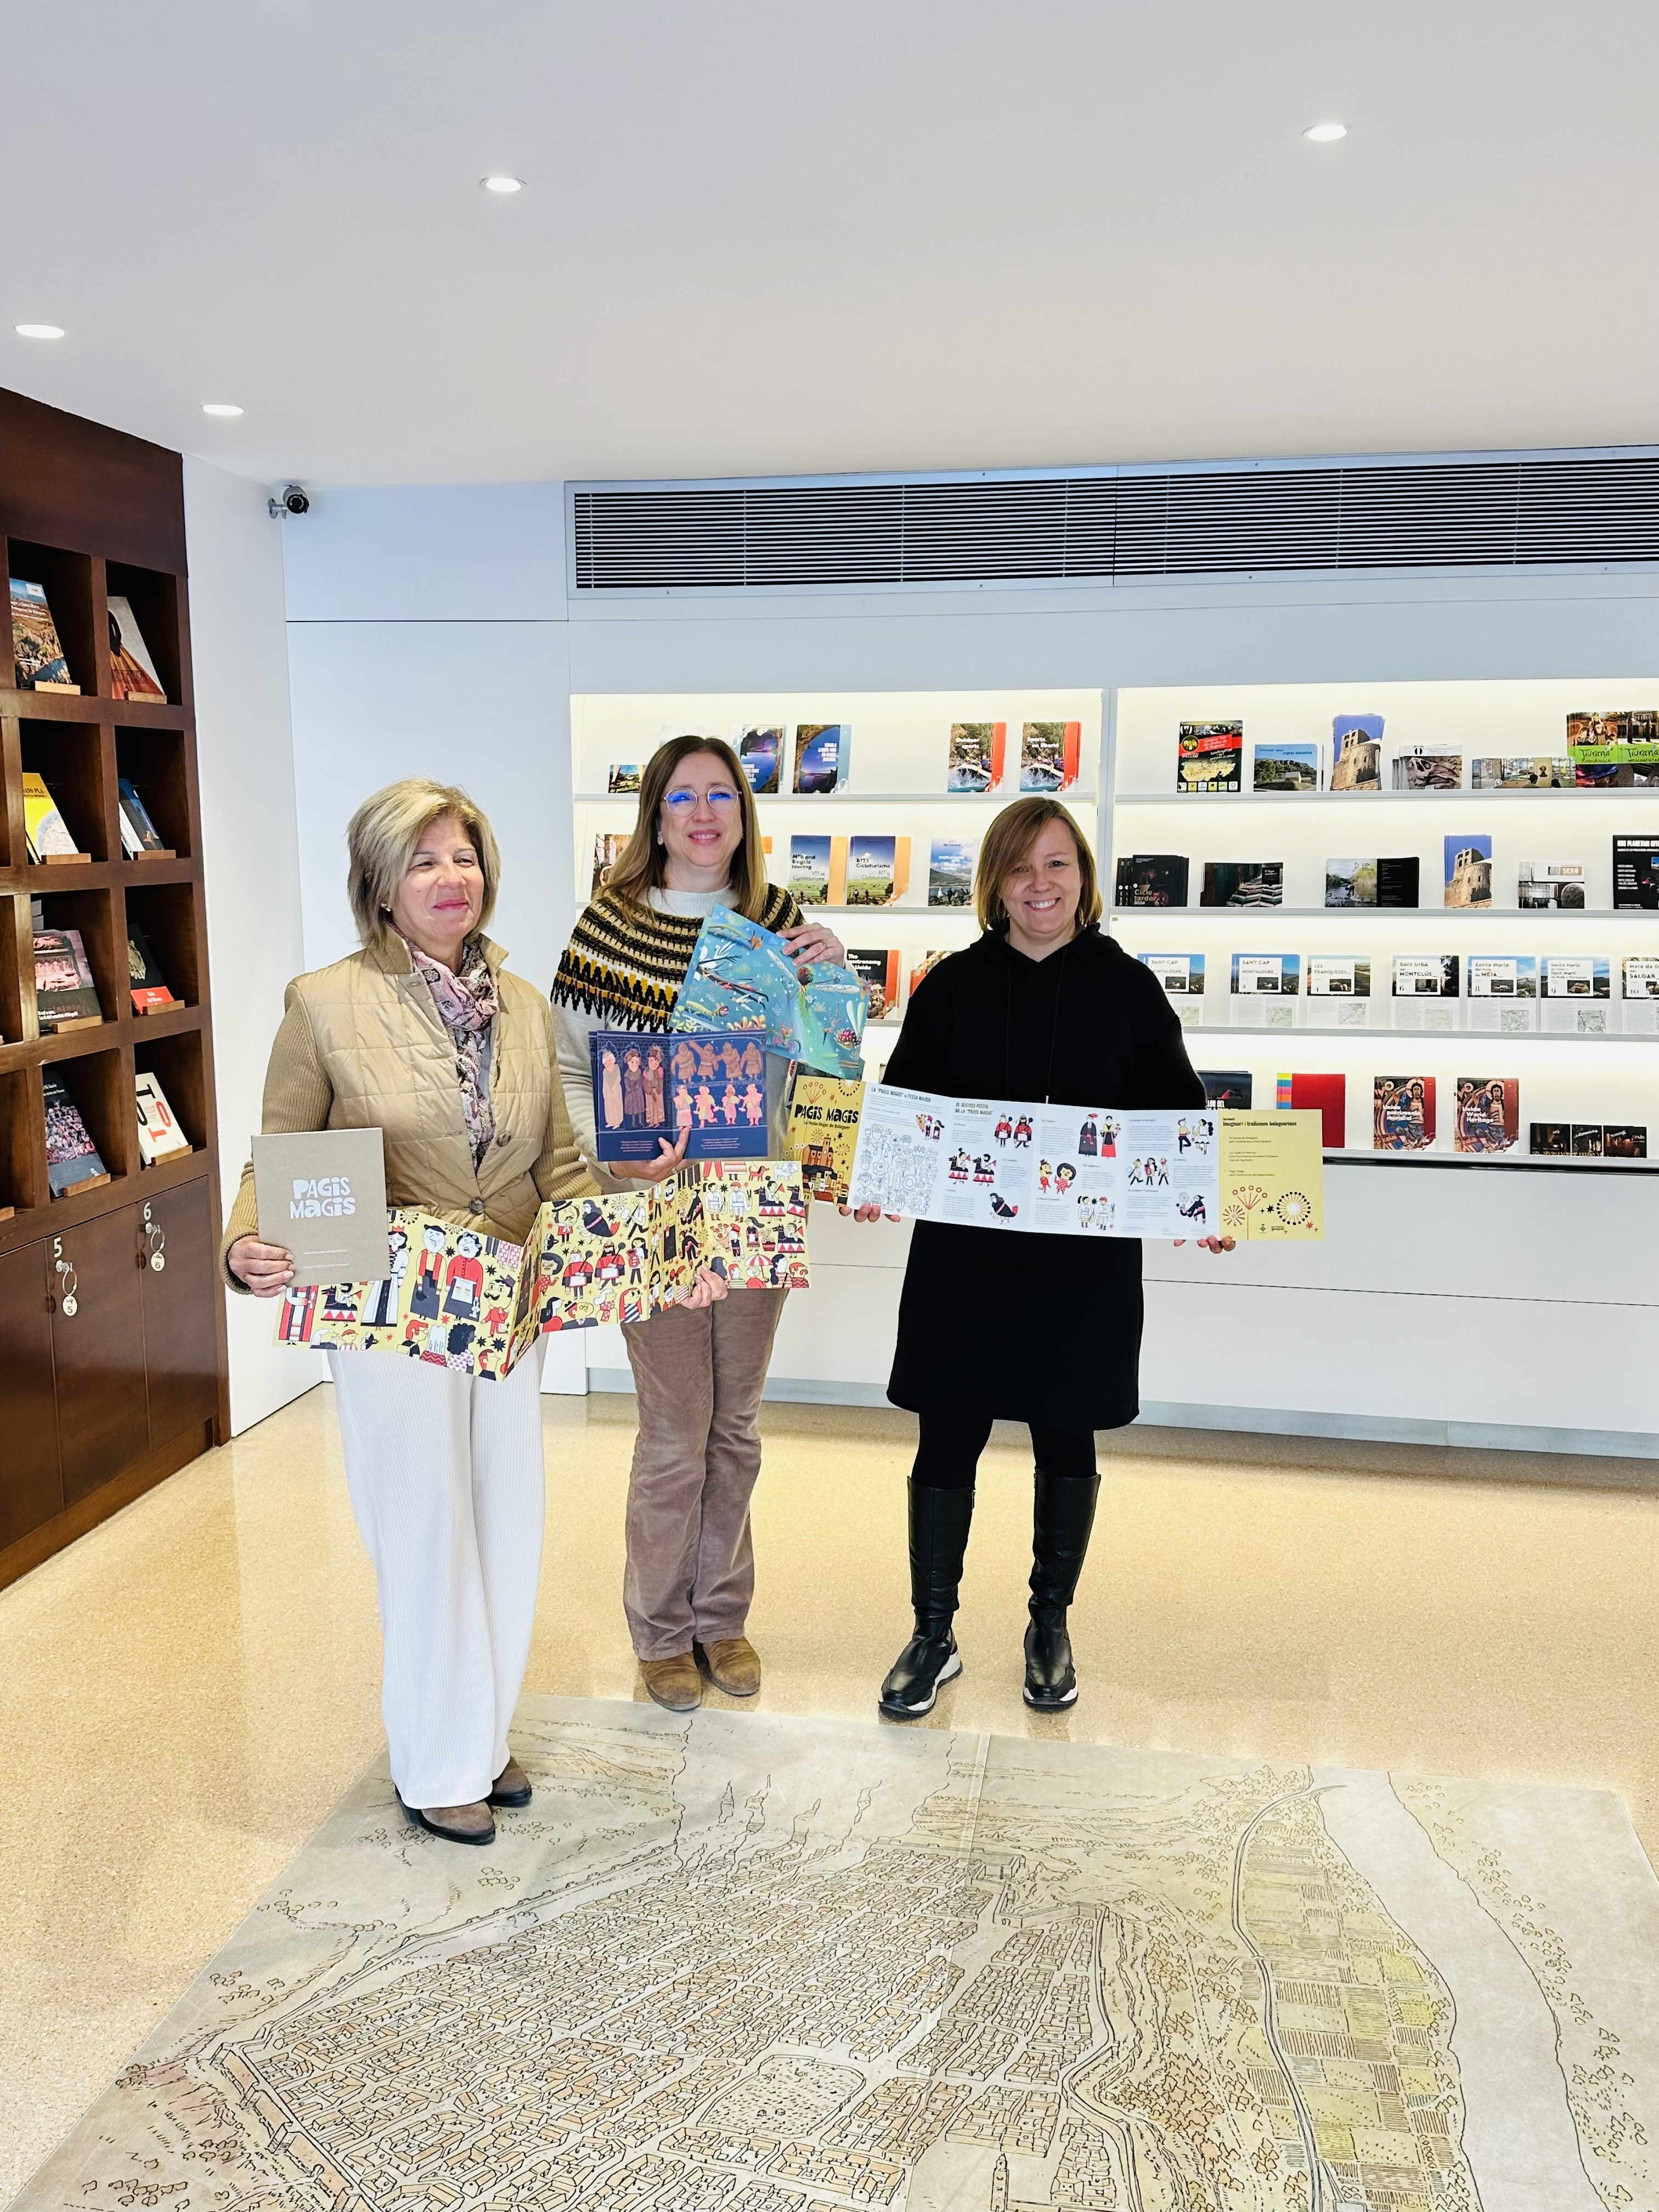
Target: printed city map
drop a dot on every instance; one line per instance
(747, 1963)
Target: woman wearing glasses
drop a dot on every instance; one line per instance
(690, 1571)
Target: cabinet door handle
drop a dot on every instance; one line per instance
(69, 1282)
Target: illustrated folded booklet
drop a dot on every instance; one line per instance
(459, 1299)
(1088, 1171)
(742, 980)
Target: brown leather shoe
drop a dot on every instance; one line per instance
(673, 1682)
(732, 1663)
(511, 1786)
(454, 1824)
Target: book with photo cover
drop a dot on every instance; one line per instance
(1428, 771)
(817, 870)
(1551, 1139)
(1242, 883)
(1230, 1088)
(1586, 1139)
(1639, 987)
(952, 862)
(977, 756)
(44, 827)
(139, 834)
(1182, 974)
(622, 778)
(1210, 756)
(1624, 1141)
(149, 986)
(1636, 872)
(1488, 1115)
(1575, 994)
(1513, 772)
(608, 849)
(1617, 751)
(714, 1088)
(1151, 879)
(64, 993)
(1264, 989)
(1321, 1092)
(1337, 992)
(1285, 767)
(877, 869)
(1550, 884)
(879, 972)
(1403, 1113)
(159, 1137)
(760, 754)
(36, 649)
(133, 674)
(1357, 752)
(821, 1133)
(1468, 869)
(1050, 754)
(1502, 992)
(1424, 991)
(823, 755)
(72, 1159)
(925, 966)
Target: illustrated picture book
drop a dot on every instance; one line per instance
(147, 985)
(1357, 752)
(975, 760)
(877, 869)
(475, 1305)
(822, 1133)
(37, 650)
(709, 1087)
(1285, 767)
(1469, 870)
(44, 828)
(1403, 1113)
(1151, 879)
(65, 995)
(1209, 758)
(133, 674)
(159, 1137)
(1242, 883)
(1488, 1114)
(1050, 754)
(760, 754)
(72, 1158)
(951, 865)
(1502, 992)
(823, 752)
(744, 981)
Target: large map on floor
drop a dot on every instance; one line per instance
(470, 1301)
(744, 1963)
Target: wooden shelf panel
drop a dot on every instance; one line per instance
(36, 882)
(29, 1224)
(123, 1033)
(90, 707)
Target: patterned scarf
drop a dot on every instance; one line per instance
(467, 1003)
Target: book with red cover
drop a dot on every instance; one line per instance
(147, 984)
(1324, 1094)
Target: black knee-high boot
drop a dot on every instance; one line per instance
(939, 1520)
(1062, 1516)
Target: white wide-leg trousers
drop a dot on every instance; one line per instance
(446, 1481)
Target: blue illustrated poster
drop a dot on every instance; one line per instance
(648, 1086)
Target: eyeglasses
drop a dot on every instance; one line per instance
(684, 801)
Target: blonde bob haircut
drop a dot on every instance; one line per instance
(1007, 846)
(383, 836)
(638, 869)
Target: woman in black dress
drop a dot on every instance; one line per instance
(1042, 1006)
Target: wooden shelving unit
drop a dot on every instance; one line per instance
(113, 1397)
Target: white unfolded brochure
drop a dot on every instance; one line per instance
(1065, 1170)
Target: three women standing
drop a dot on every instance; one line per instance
(698, 1372)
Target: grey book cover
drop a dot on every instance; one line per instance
(322, 1194)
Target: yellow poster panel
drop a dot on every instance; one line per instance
(1272, 1177)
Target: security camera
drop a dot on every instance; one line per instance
(296, 500)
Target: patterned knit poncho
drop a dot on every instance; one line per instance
(624, 964)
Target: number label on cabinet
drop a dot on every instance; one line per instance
(156, 1241)
(68, 1281)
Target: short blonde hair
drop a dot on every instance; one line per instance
(384, 835)
(1008, 843)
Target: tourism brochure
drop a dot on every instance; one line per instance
(1182, 974)
(44, 830)
(877, 869)
(133, 674)
(1067, 1170)
(624, 777)
(147, 984)
(952, 862)
(475, 1305)
(927, 962)
(1636, 872)
(1535, 772)
(1231, 1087)
(1242, 883)
(1264, 986)
(1550, 884)
(1337, 992)
(1151, 879)
(759, 752)
(1425, 995)
(1286, 768)
(710, 1088)
(1272, 1176)
(822, 1133)
(824, 753)
(1365, 882)
(1618, 751)
(1357, 752)
(159, 1137)
(37, 651)
(608, 845)
(1624, 1141)
(743, 979)
(877, 969)
(1210, 756)
(72, 1158)
(1403, 1113)
(65, 995)
(139, 834)
(1503, 992)
(321, 1194)
(1638, 985)
(976, 759)
(1468, 869)
(1575, 994)
(1050, 754)
(1428, 771)
(817, 870)
(1488, 1114)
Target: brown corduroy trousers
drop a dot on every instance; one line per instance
(690, 1571)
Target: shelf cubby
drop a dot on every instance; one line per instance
(156, 764)
(16, 963)
(69, 759)
(74, 594)
(153, 598)
(176, 1062)
(102, 1088)
(23, 1143)
(94, 914)
(167, 914)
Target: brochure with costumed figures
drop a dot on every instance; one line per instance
(742, 980)
(711, 1087)
(456, 1298)
(823, 1133)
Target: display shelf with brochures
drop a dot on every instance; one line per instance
(1436, 874)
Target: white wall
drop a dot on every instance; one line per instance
(245, 756)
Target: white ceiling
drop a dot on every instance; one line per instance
(764, 236)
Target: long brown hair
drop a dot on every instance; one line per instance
(639, 867)
(1008, 842)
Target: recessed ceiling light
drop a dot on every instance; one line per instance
(1326, 134)
(38, 330)
(219, 407)
(502, 183)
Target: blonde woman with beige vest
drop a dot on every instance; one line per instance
(422, 1035)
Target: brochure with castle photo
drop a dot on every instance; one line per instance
(1469, 870)
(1182, 974)
(1357, 752)
(1638, 988)
(1425, 995)
(1337, 992)
(321, 1194)
(1503, 992)
(1576, 995)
